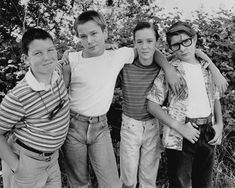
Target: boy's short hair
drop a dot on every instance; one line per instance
(143, 25)
(33, 34)
(179, 28)
(90, 15)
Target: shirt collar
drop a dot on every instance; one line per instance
(39, 86)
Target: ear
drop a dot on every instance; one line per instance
(195, 39)
(157, 45)
(25, 59)
(105, 34)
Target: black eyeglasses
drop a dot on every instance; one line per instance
(57, 108)
(185, 43)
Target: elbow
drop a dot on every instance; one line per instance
(150, 107)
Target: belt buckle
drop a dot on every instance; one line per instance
(47, 158)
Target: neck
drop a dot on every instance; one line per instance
(146, 61)
(43, 78)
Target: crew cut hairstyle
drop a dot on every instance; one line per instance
(179, 28)
(146, 25)
(33, 34)
(90, 15)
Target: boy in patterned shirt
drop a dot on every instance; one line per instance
(193, 124)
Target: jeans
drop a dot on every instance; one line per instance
(192, 167)
(33, 171)
(140, 152)
(90, 137)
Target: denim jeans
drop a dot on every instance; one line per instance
(192, 167)
(140, 152)
(90, 137)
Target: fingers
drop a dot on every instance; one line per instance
(216, 140)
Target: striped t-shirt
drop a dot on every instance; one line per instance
(25, 112)
(136, 80)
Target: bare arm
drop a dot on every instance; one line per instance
(218, 126)
(186, 130)
(6, 153)
(220, 81)
(175, 82)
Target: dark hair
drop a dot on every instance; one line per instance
(143, 25)
(179, 28)
(90, 15)
(32, 34)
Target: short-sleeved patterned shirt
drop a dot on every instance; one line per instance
(177, 104)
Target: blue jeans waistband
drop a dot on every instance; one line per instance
(200, 121)
(90, 119)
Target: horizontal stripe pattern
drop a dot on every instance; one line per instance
(136, 81)
(38, 132)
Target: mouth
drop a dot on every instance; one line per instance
(47, 64)
(91, 47)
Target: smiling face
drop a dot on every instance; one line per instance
(42, 57)
(187, 46)
(92, 38)
(145, 43)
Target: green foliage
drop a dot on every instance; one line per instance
(216, 37)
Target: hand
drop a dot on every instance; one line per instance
(202, 55)
(109, 46)
(65, 58)
(218, 135)
(220, 82)
(189, 131)
(14, 165)
(175, 80)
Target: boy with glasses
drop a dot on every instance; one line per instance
(36, 113)
(194, 120)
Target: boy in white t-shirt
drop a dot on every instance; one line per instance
(194, 120)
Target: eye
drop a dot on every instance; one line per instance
(149, 41)
(51, 50)
(94, 33)
(138, 41)
(37, 53)
(82, 36)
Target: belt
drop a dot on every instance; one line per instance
(32, 149)
(90, 119)
(200, 121)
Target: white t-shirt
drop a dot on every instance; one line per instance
(93, 80)
(198, 101)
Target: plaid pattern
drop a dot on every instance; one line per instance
(177, 105)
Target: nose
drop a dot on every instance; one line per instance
(89, 39)
(182, 48)
(144, 45)
(46, 55)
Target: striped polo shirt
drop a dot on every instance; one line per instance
(136, 80)
(25, 110)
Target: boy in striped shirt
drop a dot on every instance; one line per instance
(36, 112)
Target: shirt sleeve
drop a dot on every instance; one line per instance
(126, 55)
(159, 90)
(11, 111)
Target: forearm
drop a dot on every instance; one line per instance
(6, 153)
(214, 70)
(162, 61)
(218, 113)
(156, 110)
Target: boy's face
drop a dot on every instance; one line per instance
(42, 57)
(92, 38)
(187, 46)
(145, 43)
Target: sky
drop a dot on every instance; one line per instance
(187, 6)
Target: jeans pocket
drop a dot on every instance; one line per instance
(209, 133)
